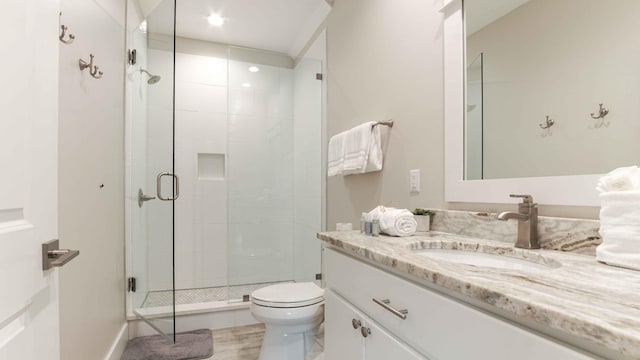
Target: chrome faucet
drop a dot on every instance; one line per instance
(527, 217)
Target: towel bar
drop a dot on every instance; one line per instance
(388, 123)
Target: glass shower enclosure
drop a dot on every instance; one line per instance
(274, 179)
(474, 120)
(153, 187)
(225, 172)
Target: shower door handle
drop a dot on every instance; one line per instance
(176, 186)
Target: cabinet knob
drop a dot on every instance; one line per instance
(365, 331)
(355, 323)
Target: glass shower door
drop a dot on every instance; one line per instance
(274, 170)
(154, 189)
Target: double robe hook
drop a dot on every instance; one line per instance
(93, 69)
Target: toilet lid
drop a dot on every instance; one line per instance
(288, 295)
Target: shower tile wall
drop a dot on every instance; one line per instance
(201, 209)
(159, 155)
(260, 174)
(201, 212)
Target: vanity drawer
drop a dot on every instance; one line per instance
(439, 327)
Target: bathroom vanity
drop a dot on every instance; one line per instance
(444, 296)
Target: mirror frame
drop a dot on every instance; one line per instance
(578, 190)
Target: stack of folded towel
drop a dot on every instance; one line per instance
(355, 151)
(395, 222)
(620, 218)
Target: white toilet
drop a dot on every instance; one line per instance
(292, 314)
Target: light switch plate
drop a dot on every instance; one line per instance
(414, 180)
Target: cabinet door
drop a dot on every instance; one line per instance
(381, 346)
(342, 341)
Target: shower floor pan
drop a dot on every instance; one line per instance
(227, 294)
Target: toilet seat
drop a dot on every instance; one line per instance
(290, 295)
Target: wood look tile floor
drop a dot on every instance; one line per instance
(238, 343)
(243, 343)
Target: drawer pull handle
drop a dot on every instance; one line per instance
(402, 314)
(355, 323)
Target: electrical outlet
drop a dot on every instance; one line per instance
(414, 180)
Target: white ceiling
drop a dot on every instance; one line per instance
(277, 25)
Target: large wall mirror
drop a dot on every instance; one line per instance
(524, 84)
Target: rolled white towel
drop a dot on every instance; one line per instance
(620, 208)
(620, 229)
(620, 247)
(620, 179)
(395, 222)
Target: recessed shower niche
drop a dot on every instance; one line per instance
(210, 166)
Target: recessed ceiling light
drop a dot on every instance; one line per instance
(215, 20)
(254, 69)
(247, 85)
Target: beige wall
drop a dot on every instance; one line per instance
(90, 155)
(385, 60)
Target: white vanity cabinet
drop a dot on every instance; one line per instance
(352, 335)
(436, 326)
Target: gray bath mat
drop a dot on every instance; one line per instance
(192, 345)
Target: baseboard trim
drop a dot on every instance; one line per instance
(120, 342)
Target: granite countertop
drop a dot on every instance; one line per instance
(593, 302)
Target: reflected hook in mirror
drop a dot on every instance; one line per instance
(548, 123)
(601, 113)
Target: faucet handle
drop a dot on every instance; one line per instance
(526, 199)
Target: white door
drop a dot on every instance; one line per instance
(28, 178)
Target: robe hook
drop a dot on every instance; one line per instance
(548, 123)
(72, 37)
(601, 113)
(93, 70)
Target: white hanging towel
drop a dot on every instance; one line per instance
(374, 161)
(362, 149)
(620, 229)
(355, 151)
(335, 154)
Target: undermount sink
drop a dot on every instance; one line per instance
(484, 259)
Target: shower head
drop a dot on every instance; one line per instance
(152, 78)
